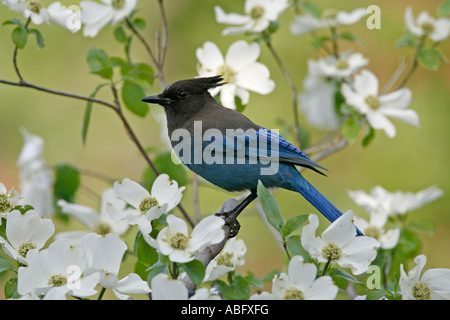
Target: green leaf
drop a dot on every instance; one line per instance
(430, 58)
(143, 251)
(139, 23)
(311, 8)
(294, 223)
(40, 41)
(271, 208)
(67, 182)
(377, 294)
(154, 270)
(132, 94)
(164, 164)
(294, 246)
(338, 273)
(10, 289)
(239, 289)
(5, 265)
(444, 9)
(408, 40)
(99, 63)
(23, 208)
(370, 136)
(348, 35)
(87, 114)
(350, 129)
(120, 35)
(19, 37)
(195, 270)
(138, 71)
(13, 21)
(318, 41)
(254, 281)
(269, 277)
(239, 106)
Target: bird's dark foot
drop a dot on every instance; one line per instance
(231, 221)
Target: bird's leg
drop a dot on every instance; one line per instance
(231, 216)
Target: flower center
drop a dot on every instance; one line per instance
(227, 73)
(293, 294)
(373, 102)
(57, 280)
(257, 12)
(224, 259)
(421, 291)
(25, 247)
(342, 64)
(330, 14)
(118, 4)
(5, 205)
(34, 6)
(427, 27)
(331, 252)
(373, 232)
(147, 203)
(178, 240)
(102, 228)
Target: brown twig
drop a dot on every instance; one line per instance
(292, 87)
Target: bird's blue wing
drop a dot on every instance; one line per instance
(266, 145)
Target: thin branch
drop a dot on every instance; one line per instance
(26, 84)
(395, 76)
(162, 47)
(292, 87)
(414, 65)
(324, 147)
(16, 51)
(162, 50)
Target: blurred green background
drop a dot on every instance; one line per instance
(414, 160)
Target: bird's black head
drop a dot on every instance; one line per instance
(186, 93)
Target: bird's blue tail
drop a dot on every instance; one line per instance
(319, 201)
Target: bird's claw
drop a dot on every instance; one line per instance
(232, 222)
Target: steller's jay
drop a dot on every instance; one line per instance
(236, 162)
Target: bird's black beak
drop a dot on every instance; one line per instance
(158, 99)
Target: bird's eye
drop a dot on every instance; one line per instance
(182, 94)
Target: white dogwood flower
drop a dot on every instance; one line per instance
(164, 288)
(239, 69)
(363, 95)
(343, 66)
(381, 201)
(58, 268)
(55, 13)
(433, 284)
(25, 232)
(101, 223)
(258, 16)
(317, 101)
(339, 244)
(36, 177)
(175, 242)
(375, 228)
(300, 283)
(104, 256)
(165, 195)
(96, 15)
(330, 18)
(231, 257)
(7, 200)
(425, 25)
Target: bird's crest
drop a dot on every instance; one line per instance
(209, 82)
(204, 83)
